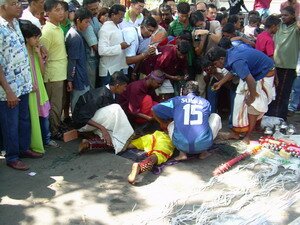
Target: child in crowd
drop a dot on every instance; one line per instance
(252, 29)
(56, 67)
(39, 105)
(78, 81)
(103, 15)
(264, 41)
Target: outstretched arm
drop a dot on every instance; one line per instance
(163, 124)
(219, 84)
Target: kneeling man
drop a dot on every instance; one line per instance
(97, 111)
(194, 127)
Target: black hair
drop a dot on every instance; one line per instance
(146, 12)
(115, 9)
(199, 63)
(212, 6)
(87, 2)
(228, 28)
(216, 53)
(233, 19)
(272, 20)
(81, 14)
(165, 7)
(28, 29)
(51, 4)
(221, 16)
(149, 21)
(205, 62)
(191, 87)
(75, 3)
(155, 12)
(225, 43)
(289, 9)
(254, 19)
(183, 46)
(118, 77)
(253, 12)
(165, 1)
(137, 1)
(223, 9)
(65, 5)
(103, 11)
(183, 7)
(195, 17)
(185, 35)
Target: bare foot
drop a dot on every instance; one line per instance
(134, 172)
(83, 146)
(182, 156)
(204, 155)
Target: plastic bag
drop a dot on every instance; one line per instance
(270, 121)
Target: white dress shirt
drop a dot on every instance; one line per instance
(112, 56)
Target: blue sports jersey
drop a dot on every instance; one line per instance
(244, 61)
(190, 113)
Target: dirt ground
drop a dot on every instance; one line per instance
(93, 189)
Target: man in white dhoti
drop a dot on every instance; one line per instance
(97, 111)
(254, 92)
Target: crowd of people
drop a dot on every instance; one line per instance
(111, 71)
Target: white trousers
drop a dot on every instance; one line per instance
(114, 119)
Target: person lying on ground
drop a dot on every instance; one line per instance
(159, 148)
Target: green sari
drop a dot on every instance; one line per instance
(36, 143)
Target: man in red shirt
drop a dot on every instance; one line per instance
(172, 60)
(140, 96)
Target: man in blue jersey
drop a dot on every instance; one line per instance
(255, 90)
(194, 127)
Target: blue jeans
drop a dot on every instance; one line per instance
(295, 95)
(92, 69)
(45, 129)
(16, 129)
